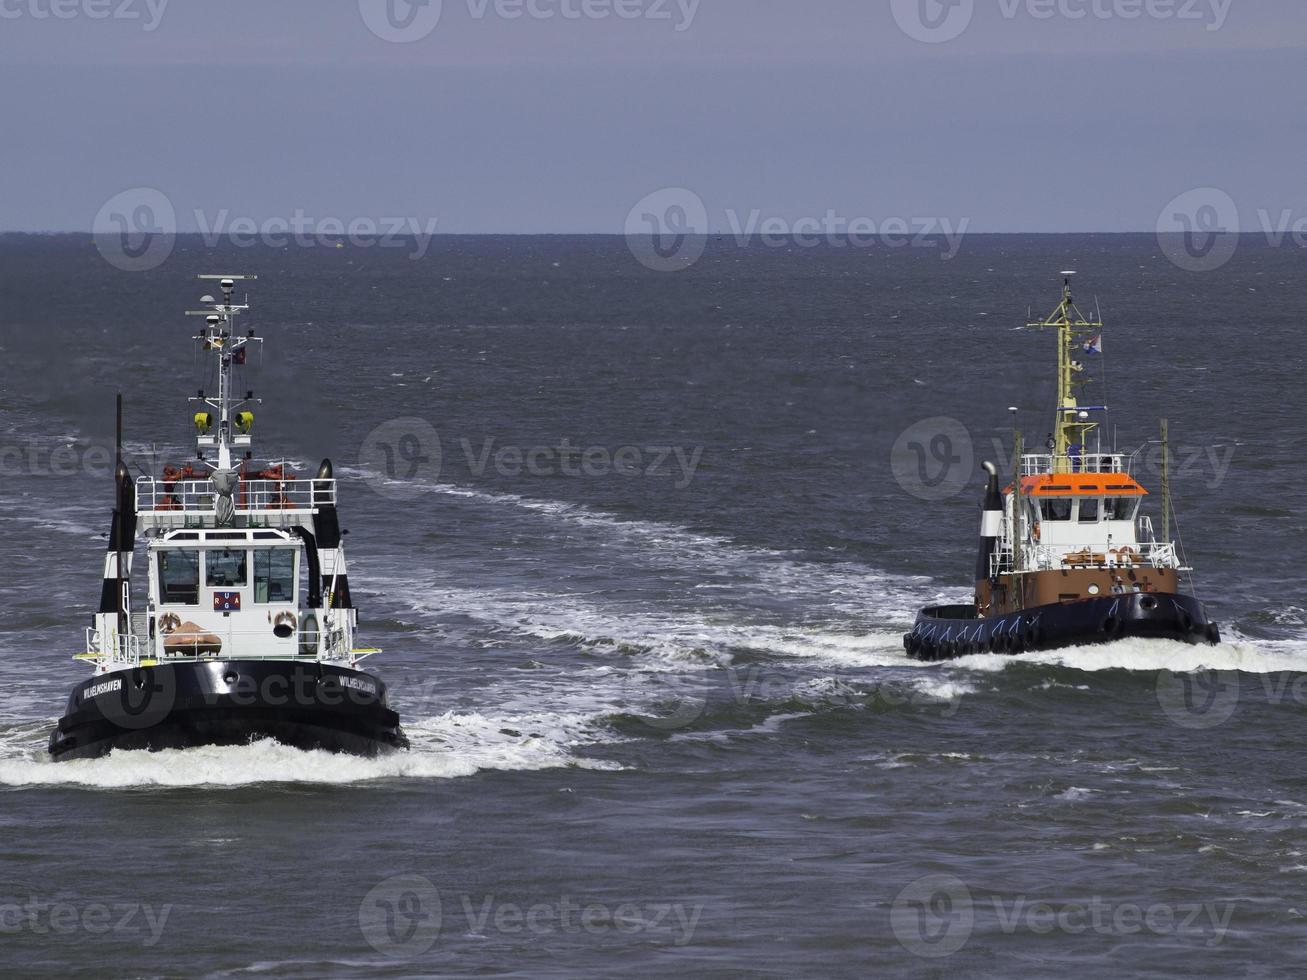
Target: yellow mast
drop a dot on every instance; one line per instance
(1069, 429)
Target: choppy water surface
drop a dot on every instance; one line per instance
(661, 717)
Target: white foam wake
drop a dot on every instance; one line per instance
(1235, 653)
(444, 747)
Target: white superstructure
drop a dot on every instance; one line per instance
(243, 561)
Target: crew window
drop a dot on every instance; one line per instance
(1120, 508)
(1089, 508)
(179, 577)
(274, 575)
(225, 568)
(1056, 508)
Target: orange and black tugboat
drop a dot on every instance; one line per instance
(1066, 558)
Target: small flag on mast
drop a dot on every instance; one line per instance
(1094, 345)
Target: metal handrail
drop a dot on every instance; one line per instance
(335, 642)
(1039, 464)
(156, 496)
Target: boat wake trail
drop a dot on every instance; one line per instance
(448, 746)
(1237, 653)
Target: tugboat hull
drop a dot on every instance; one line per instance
(306, 705)
(949, 632)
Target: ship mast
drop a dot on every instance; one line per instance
(1071, 425)
(219, 337)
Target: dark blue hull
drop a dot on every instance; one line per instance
(307, 705)
(949, 632)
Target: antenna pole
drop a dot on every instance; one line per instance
(1166, 480)
(1018, 528)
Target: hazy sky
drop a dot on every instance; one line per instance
(547, 116)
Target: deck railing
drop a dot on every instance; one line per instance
(333, 642)
(1043, 558)
(183, 499)
(1037, 464)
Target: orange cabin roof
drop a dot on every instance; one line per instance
(1080, 485)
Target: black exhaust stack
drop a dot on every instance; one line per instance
(326, 528)
(122, 535)
(991, 523)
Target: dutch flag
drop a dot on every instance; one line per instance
(1094, 345)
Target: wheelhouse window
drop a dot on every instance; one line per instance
(225, 568)
(1056, 508)
(1121, 508)
(179, 577)
(1089, 510)
(274, 575)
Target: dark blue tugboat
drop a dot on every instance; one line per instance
(247, 628)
